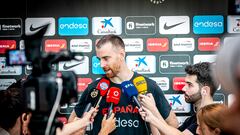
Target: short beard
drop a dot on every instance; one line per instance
(115, 70)
(194, 98)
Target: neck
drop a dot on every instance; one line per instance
(124, 75)
(203, 102)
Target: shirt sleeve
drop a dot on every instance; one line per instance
(81, 103)
(161, 102)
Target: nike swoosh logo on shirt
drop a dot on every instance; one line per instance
(166, 27)
(66, 67)
(36, 28)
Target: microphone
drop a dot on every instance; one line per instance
(103, 87)
(141, 84)
(113, 97)
(131, 92)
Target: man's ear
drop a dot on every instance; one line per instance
(26, 118)
(205, 90)
(217, 131)
(122, 54)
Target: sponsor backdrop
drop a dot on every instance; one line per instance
(161, 38)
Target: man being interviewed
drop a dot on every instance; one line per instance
(110, 50)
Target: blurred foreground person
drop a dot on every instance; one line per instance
(14, 119)
(227, 72)
(210, 119)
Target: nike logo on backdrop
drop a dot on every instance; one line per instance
(36, 28)
(66, 67)
(166, 27)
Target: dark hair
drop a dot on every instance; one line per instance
(12, 105)
(115, 40)
(204, 75)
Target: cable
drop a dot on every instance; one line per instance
(55, 106)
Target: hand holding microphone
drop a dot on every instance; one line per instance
(113, 97)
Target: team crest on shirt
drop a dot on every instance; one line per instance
(94, 93)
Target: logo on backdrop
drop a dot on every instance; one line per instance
(81, 45)
(173, 64)
(10, 27)
(106, 25)
(219, 98)
(9, 70)
(5, 83)
(133, 44)
(178, 83)
(55, 45)
(177, 102)
(162, 82)
(157, 44)
(208, 24)
(79, 67)
(183, 44)
(233, 24)
(204, 58)
(7, 45)
(140, 25)
(33, 25)
(174, 25)
(96, 67)
(143, 64)
(208, 44)
(73, 26)
(83, 83)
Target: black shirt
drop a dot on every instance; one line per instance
(128, 120)
(190, 124)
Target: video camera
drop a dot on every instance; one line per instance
(44, 89)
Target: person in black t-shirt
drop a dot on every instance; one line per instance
(199, 90)
(111, 52)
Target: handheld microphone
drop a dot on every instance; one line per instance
(103, 87)
(131, 92)
(113, 97)
(141, 84)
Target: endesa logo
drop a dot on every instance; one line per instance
(208, 24)
(73, 26)
(83, 83)
(96, 67)
(157, 44)
(208, 44)
(178, 83)
(177, 102)
(7, 45)
(55, 45)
